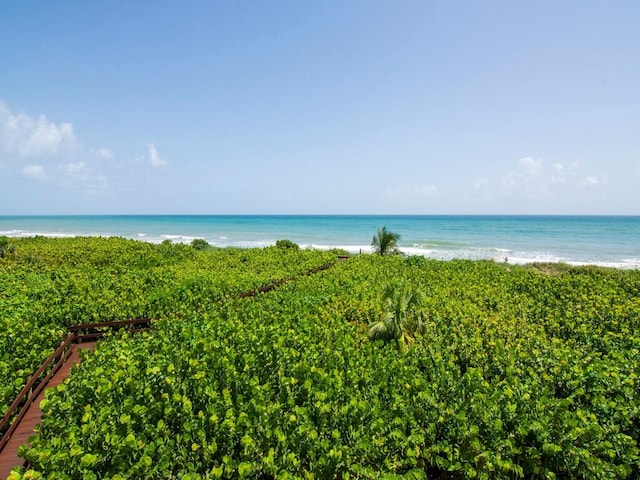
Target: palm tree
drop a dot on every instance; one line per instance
(385, 242)
(402, 317)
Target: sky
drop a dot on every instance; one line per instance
(319, 107)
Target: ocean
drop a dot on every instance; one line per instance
(612, 241)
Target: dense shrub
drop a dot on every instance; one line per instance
(287, 245)
(513, 374)
(200, 244)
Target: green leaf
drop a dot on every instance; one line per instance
(88, 460)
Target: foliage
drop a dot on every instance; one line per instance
(385, 242)
(6, 248)
(518, 374)
(287, 245)
(200, 244)
(51, 284)
(401, 318)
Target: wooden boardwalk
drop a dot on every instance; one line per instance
(9, 456)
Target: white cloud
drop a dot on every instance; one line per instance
(591, 181)
(26, 136)
(39, 148)
(105, 153)
(36, 148)
(531, 179)
(75, 168)
(35, 172)
(534, 182)
(531, 166)
(156, 161)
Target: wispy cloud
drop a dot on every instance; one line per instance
(105, 153)
(591, 181)
(154, 156)
(534, 182)
(529, 178)
(533, 178)
(27, 136)
(532, 167)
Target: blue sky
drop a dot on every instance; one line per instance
(368, 107)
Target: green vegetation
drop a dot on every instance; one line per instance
(516, 373)
(385, 242)
(6, 248)
(287, 245)
(200, 244)
(50, 284)
(402, 317)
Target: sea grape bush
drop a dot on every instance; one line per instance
(50, 284)
(517, 374)
(200, 244)
(287, 244)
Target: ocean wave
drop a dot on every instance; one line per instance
(47, 234)
(253, 243)
(519, 254)
(516, 258)
(11, 233)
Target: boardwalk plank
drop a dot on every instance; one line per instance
(9, 456)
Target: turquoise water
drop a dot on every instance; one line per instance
(608, 241)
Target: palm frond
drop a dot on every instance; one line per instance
(378, 331)
(402, 318)
(385, 242)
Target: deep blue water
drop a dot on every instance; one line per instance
(602, 240)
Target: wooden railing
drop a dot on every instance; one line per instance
(93, 331)
(38, 381)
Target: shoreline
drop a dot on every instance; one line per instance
(496, 255)
(586, 240)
